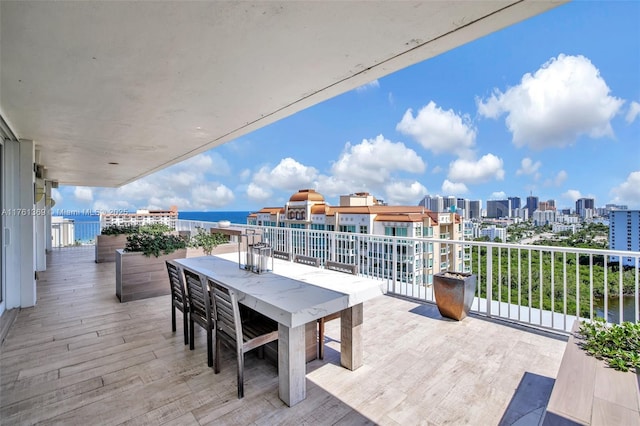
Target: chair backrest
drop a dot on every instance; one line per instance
(342, 267)
(227, 312)
(307, 260)
(178, 293)
(200, 306)
(283, 255)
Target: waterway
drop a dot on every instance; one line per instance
(613, 308)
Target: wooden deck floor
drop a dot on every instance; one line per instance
(81, 357)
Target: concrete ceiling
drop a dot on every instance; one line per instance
(148, 84)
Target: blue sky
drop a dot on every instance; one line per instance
(549, 106)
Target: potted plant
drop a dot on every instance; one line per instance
(203, 242)
(140, 266)
(111, 238)
(617, 344)
(454, 292)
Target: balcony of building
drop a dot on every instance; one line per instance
(81, 357)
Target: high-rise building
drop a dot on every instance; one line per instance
(435, 203)
(515, 202)
(521, 213)
(584, 204)
(544, 217)
(532, 204)
(463, 207)
(449, 203)
(498, 208)
(475, 209)
(624, 233)
(551, 204)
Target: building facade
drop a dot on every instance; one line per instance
(498, 209)
(494, 233)
(532, 205)
(141, 217)
(624, 233)
(585, 207)
(360, 214)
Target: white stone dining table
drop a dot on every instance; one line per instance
(295, 295)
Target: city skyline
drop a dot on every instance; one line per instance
(549, 107)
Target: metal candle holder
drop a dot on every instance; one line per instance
(254, 255)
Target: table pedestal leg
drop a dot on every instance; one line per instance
(351, 337)
(291, 364)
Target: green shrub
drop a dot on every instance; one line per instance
(618, 345)
(206, 240)
(154, 244)
(119, 229)
(155, 228)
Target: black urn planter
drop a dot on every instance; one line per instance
(454, 292)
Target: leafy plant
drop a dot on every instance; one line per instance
(206, 240)
(155, 228)
(154, 244)
(618, 345)
(119, 229)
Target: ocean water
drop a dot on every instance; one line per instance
(86, 226)
(239, 217)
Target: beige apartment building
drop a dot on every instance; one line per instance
(415, 260)
(141, 217)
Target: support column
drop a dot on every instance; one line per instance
(27, 224)
(47, 221)
(351, 320)
(292, 386)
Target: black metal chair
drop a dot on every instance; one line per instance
(178, 299)
(241, 334)
(201, 311)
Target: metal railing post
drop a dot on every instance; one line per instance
(489, 283)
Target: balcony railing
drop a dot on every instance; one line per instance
(71, 233)
(544, 286)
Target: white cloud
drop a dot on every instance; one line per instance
(210, 196)
(572, 194)
(628, 192)
(287, 175)
(372, 161)
(440, 131)
(564, 99)
(187, 185)
(404, 193)
(528, 167)
(561, 177)
(470, 171)
(498, 195)
(245, 174)
(56, 195)
(258, 193)
(209, 163)
(368, 86)
(436, 170)
(370, 166)
(453, 188)
(634, 111)
(83, 194)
